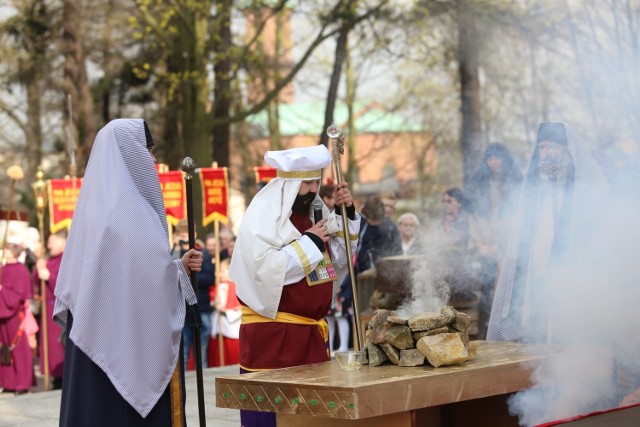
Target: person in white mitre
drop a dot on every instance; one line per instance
(287, 268)
(555, 210)
(120, 295)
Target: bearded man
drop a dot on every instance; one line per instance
(287, 269)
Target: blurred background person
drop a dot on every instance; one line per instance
(210, 244)
(16, 363)
(376, 238)
(408, 225)
(449, 255)
(31, 248)
(339, 318)
(47, 272)
(225, 318)
(493, 196)
(451, 232)
(389, 201)
(493, 193)
(206, 279)
(226, 235)
(327, 194)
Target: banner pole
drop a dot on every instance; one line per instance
(39, 189)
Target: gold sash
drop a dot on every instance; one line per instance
(250, 316)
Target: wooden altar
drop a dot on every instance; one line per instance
(473, 393)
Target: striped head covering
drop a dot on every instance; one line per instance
(584, 190)
(117, 278)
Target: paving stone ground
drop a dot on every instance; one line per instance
(41, 409)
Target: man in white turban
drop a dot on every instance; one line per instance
(287, 269)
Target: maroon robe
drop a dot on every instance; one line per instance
(55, 349)
(275, 345)
(16, 289)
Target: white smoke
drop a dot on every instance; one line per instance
(433, 273)
(592, 303)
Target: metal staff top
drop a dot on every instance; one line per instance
(335, 134)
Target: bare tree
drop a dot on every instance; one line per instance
(29, 37)
(76, 82)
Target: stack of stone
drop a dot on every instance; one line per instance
(438, 338)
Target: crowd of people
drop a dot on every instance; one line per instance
(273, 286)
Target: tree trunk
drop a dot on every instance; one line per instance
(332, 95)
(222, 90)
(471, 137)
(76, 83)
(351, 175)
(34, 126)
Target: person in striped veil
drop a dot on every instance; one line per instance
(557, 209)
(120, 296)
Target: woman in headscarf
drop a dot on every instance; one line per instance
(493, 194)
(120, 296)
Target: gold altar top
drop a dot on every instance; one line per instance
(325, 390)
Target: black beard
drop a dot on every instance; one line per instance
(302, 204)
(550, 167)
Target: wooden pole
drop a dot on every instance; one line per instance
(216, 232)
(39, 189)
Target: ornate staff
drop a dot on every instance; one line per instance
(189, 167)
(337, 138)
(40, 192)
(15, 174)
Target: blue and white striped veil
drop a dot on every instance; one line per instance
(117, 278)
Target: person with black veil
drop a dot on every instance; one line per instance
(492, 192)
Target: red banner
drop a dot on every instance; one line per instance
(173, 191)
(63, 195)
(264, 173)
(215, 195)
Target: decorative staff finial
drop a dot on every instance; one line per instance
(336, 134)
(333, 131)
(15, 173)
(188, 167)
(39, 189)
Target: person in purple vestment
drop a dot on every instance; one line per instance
(47, 272)
(16, 366)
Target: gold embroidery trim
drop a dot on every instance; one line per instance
(352, 237)
(315, 174)
(175, 387)
(306, 265)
